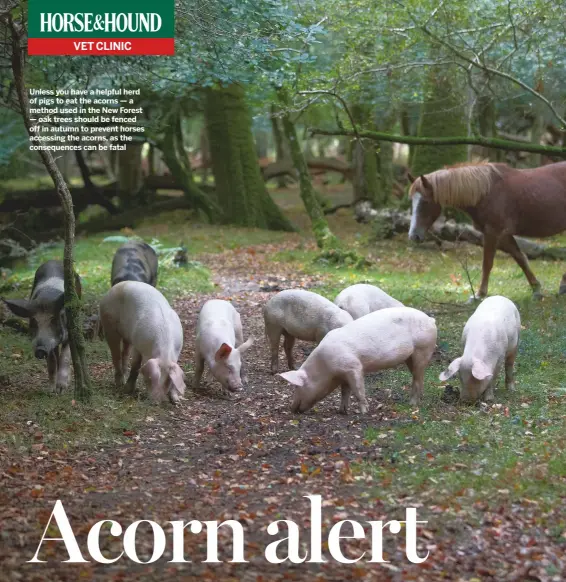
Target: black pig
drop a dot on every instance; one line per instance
(45, 310)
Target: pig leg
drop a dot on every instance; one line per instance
(114, 340)
(130, 386)
(355, 381)
(346, 391)
(288, 343)
(64, 368)
(239, 341)
(488, 395)
(510, 370)
(274, 335)
(52, 360)
(417, 364)
(126, 349)
(199, 369)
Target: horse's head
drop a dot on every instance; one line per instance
(424, 208)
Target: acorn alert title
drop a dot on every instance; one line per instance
(58, 28)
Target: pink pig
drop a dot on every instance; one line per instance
(135, 314)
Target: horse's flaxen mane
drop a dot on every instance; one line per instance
(460, 184)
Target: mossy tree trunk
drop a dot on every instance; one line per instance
(385, 121)
(240, 187)
(366, 182)
(442, 114)
(73, 307)
(175, 156)
(324, 237)
(487, 124)
(280, 150)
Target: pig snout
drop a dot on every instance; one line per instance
(300, 403)
(43, 346)
(40, 353)
(235, 386)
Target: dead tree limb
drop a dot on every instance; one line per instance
(395, 222)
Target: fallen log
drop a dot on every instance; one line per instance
(48, 198)
(393, 222)
(286, 168)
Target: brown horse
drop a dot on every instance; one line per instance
(502, 202)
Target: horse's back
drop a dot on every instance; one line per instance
(535, 200)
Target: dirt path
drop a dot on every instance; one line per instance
(253, 461)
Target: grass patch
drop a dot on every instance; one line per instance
(442, 453)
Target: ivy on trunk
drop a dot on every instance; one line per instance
(323, 235)
(72, 300)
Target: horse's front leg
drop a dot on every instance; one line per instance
(489, 248)
(509, 245)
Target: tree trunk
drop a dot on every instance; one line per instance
(280, 152)
(240, 188)
(366, 181)
(324, 237)
(130, 177)
(90, 187)
(365, 178)
(385, 121)
(442, 114)
(204, 154)
(487, 118)
(72, 301)
(537, 132)
(261, 138)
(151, 160)
(176, 159)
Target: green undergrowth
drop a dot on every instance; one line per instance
(440, 453)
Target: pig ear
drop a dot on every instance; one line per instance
(295, 377)
(177, 377)
(151, 370)
(19, 307)
(411, 177)
(246, 345)
(451, 370)
(223, 352)
(480, 370)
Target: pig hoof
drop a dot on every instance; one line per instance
(511, 386)
(343, 410)
(363, 408)
(414, 401)
(473, 299)
(537, 295)
(60, 387)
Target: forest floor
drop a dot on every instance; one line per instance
(489, 480)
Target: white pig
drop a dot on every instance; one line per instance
(298, 314)
(361, 299)
(377, 341)
(490, 340)
(135, 314)
(220, 343)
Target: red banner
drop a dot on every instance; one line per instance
(101, 46)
